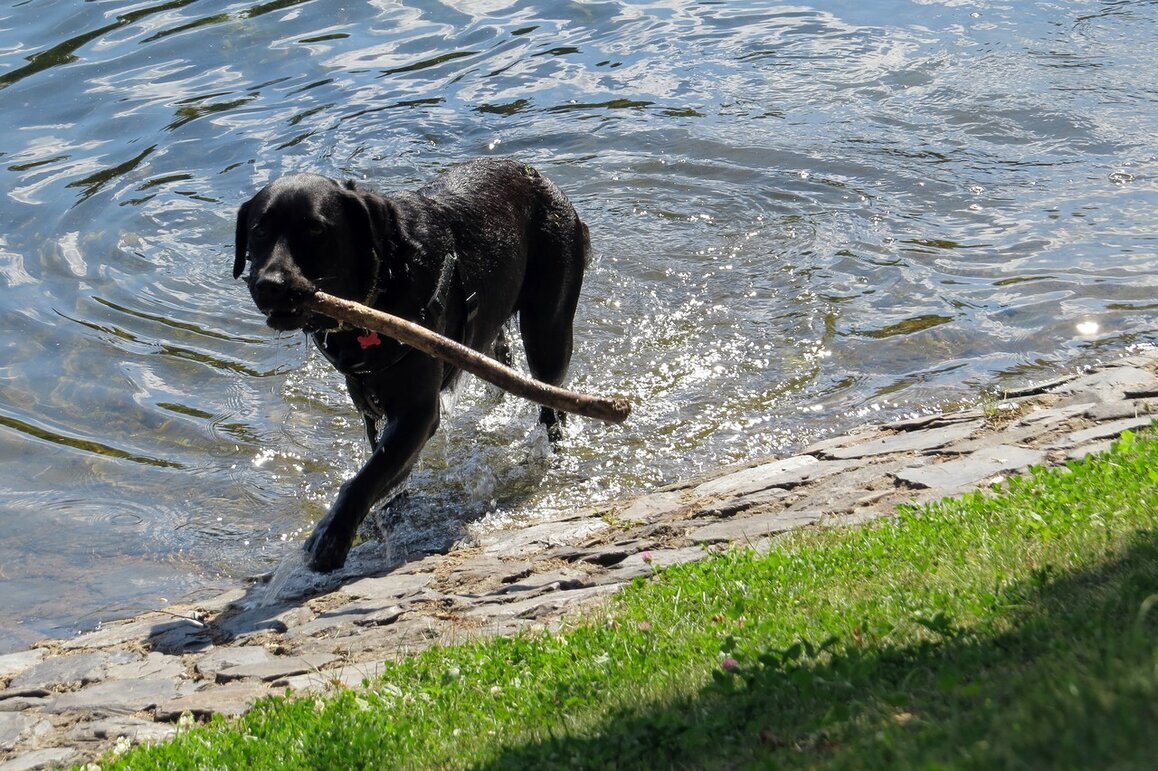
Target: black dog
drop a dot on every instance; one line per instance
(460, 256)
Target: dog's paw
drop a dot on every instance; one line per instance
(326, 551)
(554, 420)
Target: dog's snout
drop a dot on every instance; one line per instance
(279, 295)
(270, 288)
(277, 286)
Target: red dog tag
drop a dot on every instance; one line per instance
(369, 340)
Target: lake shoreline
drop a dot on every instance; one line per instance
(67, 701)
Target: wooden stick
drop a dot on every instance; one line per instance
(417, 336)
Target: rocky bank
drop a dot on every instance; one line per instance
(65, 702)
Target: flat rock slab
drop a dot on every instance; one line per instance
(1046, 416)
(563, 579)
(19, 661)
(135, 729)
(538, 607)
(347, 620)
(604, 555)
(730, 505)
(653, 560)
(276, 667)
(229, 700)
(224, 658)
(1133, 408)
(120, 632)
(1103, 431)
(779, 473)
(954, 475)
(407, 635)
(15, 726)
(60, 671)
(21, 702)
(178, 636)
(151, 666)
(531, 539)
(1077, 453)
(49, 757)
(115, 697)
(1114, 383)
(482, 570)
(649, 508)
(747, 529)
(349, 676)
(909, 441)
(391, 586)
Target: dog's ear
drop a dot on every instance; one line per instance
(379, 227)
(357, 205)
(241, 239)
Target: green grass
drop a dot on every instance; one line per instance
(1009, 629)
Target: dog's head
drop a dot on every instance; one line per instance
(305, 233)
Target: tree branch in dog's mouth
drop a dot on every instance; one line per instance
(609, 410)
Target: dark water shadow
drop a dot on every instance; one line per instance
(915, 704)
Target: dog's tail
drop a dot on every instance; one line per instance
(583, 241)
(557, 215)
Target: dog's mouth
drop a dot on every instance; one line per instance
(286, 318)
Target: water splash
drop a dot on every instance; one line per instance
(292, 579)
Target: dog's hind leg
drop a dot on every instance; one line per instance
(547, 310)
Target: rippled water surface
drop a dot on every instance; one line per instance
(804, 217)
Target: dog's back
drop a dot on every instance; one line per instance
(508, 216)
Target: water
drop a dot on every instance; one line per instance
(804, 216)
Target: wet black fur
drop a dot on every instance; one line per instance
(461, 256)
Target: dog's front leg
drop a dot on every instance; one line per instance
(398, 447)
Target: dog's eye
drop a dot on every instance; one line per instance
(258, 231)
(316, 229)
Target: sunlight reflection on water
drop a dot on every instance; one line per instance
(804, 217)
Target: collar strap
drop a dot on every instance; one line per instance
(448, 272)
(373, 294)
